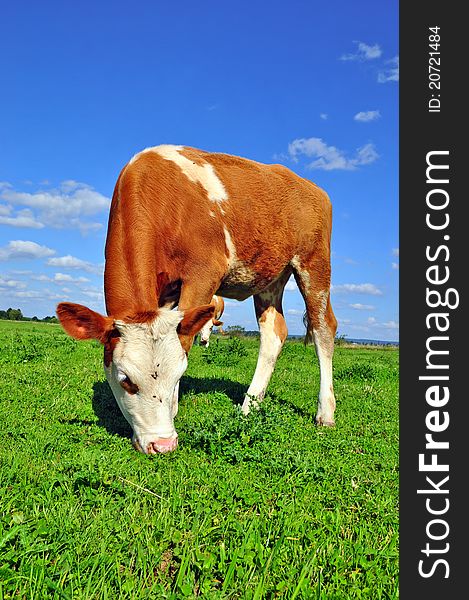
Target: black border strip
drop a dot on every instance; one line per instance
(433, 124)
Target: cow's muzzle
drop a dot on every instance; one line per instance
(157, 446)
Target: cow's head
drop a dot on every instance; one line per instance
(206, 331)
(143, 361)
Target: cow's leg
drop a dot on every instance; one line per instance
(313, 279)
(273, 333)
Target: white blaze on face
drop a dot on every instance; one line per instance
(148, 356)
(205, 332)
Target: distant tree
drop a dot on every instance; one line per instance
(236, 330)
(50, 319)
(34, 318)
(3, 314)
(251, 333)
(340, 340)
(14, 314)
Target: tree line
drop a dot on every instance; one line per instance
(15, 314)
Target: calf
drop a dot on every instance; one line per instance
(206, 330)
(184, 225)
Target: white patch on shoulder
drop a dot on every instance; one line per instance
(149, 149)
(204, 174)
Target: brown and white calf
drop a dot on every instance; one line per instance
(206, 330)
(185, 224)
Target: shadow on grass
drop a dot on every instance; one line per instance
(308, 412)
(200, 385)
(106, 409)
(111, 418)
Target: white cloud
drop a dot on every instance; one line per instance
(20, 272)
(231, 303)
(395, 251)
(68, 207)
(364, 52)
(357, 288)
(41, 278)
(358, 306)
(395, 266)
(11, 283)
(367, 116)
(71, 262)
(20, 249)
(28, 294)
(324, 116)
(390, 325)
(291, 285)
(40, 294)
(93, 292)
(373, 324)
(295, 312)
(391, 72)
(23, 218)
(365, 155)
(329, 158)
(62, 277)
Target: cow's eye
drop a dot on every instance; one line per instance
(128, 385)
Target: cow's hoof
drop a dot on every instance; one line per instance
(323, 423)
(249, 403)
(246, 408)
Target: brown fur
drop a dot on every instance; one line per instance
(109, 344)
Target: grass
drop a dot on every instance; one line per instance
(268, 506)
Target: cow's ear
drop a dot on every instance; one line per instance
(195, 318)
(217, 323)
(82, 323)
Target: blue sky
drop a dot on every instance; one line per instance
(85, 85)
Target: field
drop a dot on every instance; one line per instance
(268, 506)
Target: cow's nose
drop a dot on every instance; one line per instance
(204, 342)
(162, 445)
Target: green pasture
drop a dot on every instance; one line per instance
(265, 506)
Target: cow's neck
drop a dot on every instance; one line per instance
(130, 280)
